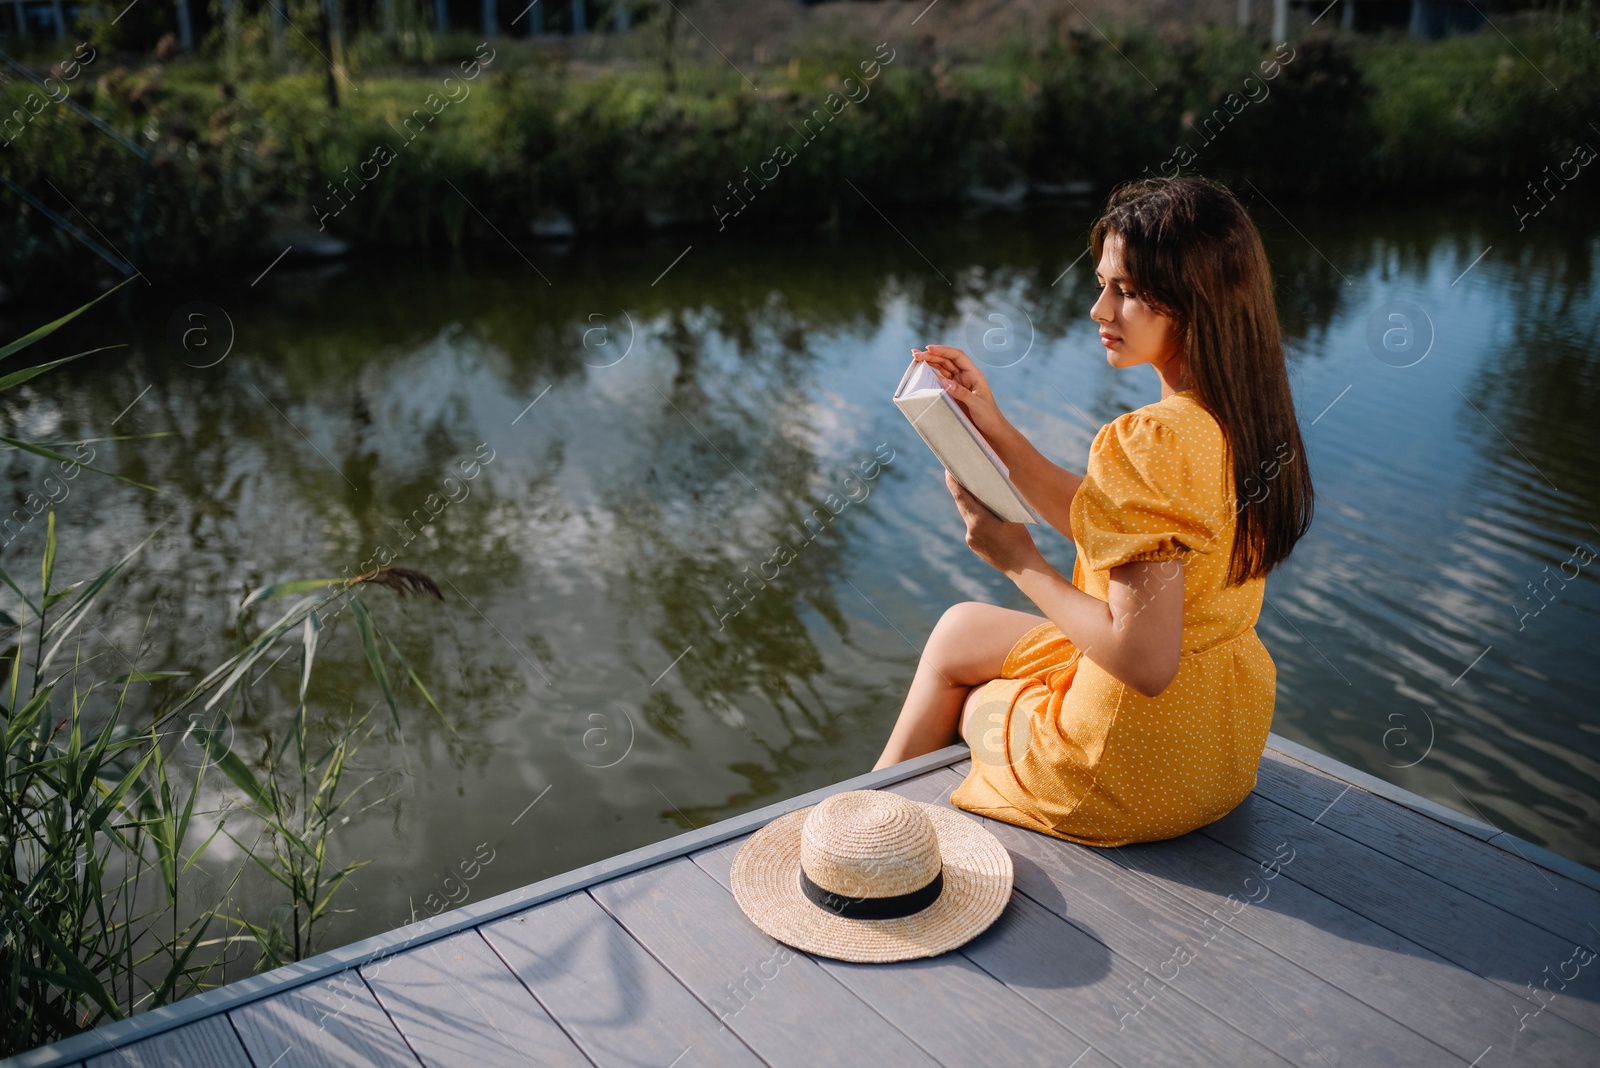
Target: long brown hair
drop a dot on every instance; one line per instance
(1191, 252)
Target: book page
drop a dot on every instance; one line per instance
(926, 380)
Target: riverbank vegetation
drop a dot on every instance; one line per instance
(112, 898)
(448, 141)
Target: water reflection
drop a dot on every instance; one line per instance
(655, 443)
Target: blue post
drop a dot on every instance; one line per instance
(578, 24)
(185, 27)
(441, 17)
(277, 33)
(536, 19)
(489, 27)
(619, 15)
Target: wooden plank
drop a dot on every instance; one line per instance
(1550, 861)
(1477, 828)
(1379, 787)
(615, 1001)
(459, 1006)
(471, 915)
(1414, 814)
(1450, 922)
(947, 1005)
(1083, 985)
(1462, 1012)
(1097, 993)
(210, 1042)
(785, 1008)
(1285, 1007)
(326, 1024)
(1545, 899)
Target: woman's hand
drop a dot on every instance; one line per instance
(962, 379)
(1006, 547)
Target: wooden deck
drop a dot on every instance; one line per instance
(1331, 919)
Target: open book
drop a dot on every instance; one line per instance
(956, 442)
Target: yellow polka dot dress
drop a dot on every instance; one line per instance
(1062, 747)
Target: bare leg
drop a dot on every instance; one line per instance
(967, 648)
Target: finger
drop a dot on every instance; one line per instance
(956, 356)
(959, 492)
(939, 363)
(964, 498)
(973, 511)
(961, 367)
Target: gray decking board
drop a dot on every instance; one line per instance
(1092, 1058)
(1462, 1012)
(1392, 937)
(778, 1000)
(327, 1024)
(211, 1042)
(1076, 979)
(960, 1014)
(619, 1004)
(1472, 826)
(460, 1006)
(1283, 1006)
(1452, 923)
(1545, 899)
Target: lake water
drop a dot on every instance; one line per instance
(644, 438)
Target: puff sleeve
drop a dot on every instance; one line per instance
(1135, 502)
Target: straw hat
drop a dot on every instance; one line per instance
(868, 875)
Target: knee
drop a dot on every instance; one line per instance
(977, 711)
(956, 619)
(952, 635)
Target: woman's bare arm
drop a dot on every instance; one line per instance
(1136, 633)
(1046, 485)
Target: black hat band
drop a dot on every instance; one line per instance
(874, 908)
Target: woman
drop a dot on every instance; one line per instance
(1137, 707)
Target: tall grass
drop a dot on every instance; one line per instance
(106, 826)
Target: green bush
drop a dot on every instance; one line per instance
(1479, 109)
(1345, 116)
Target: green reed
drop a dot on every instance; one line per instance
(107, 907)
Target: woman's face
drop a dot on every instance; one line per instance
(1132, 331)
